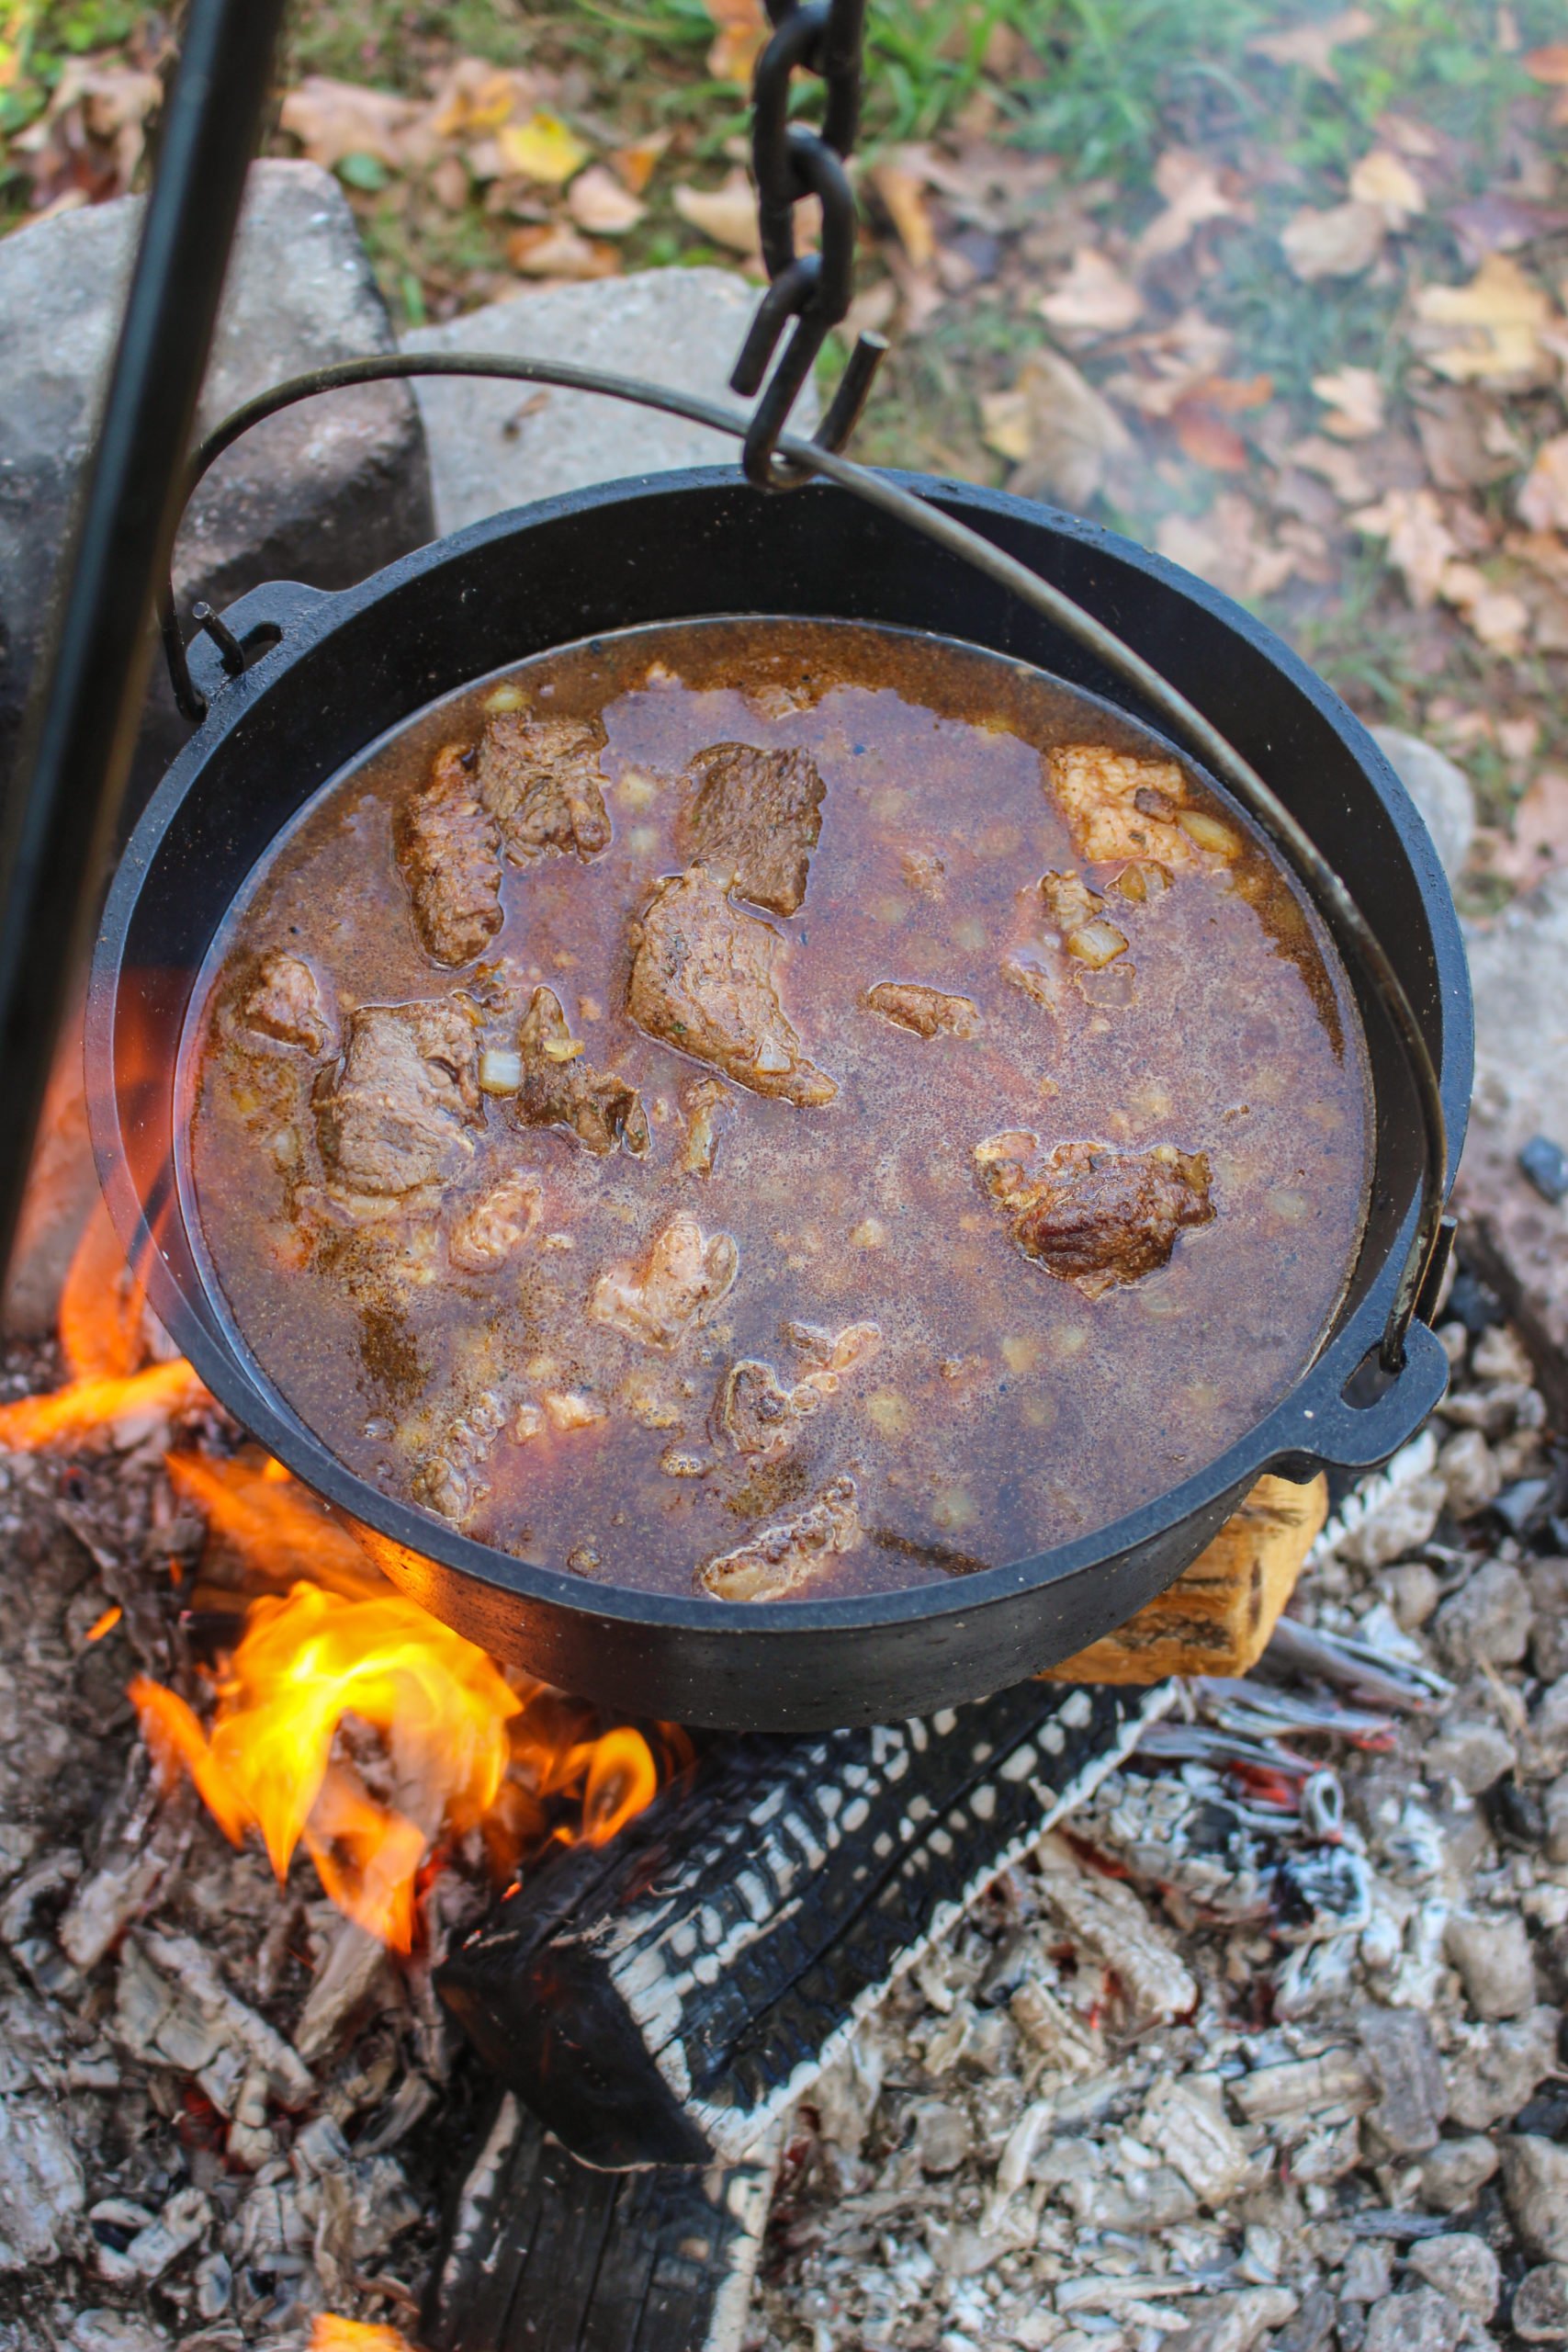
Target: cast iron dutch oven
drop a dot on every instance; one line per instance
(332, 672)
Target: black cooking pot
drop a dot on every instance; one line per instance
(331, 672)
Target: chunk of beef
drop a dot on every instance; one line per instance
(758, 1413)
(491, 1228)
(755, 820)
(448, 846)
(451, 1479)
(830, 1355)
(395, 1111)
(539, 778)
(703, 979)
(559, 1089)
(1079, 916)
(285, 1001)
(686, 1273)
(1121, 807)
(779, 1559)
(1092, 1215)
(929, 1012)
(706, 1104)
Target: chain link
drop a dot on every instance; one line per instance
(790, 162)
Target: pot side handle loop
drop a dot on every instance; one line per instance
(1373, 1413)
(226, 644)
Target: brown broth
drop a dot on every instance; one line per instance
(1005, 1411)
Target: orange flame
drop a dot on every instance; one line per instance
(330, 2334)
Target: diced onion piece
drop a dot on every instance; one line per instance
(570, 1410)
(505, 698)
(561, 1049)
(637, 789)
(501, 1070)
(1096, 943)
(771, 1057)
(1209, 832)
(526, 1423)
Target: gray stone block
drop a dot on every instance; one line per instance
(325, 493)
(498, 445)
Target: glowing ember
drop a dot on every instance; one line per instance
(105, 1623)
(120, 1411)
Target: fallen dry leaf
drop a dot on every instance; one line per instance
(332, 119)
(1502, 314)
(633, 166)
(1060, 432)
(598, 202)
(1226, 547)
(1537, 843)
(742, 27)
(1466, 438)
(728, 214)
(1341, 243)
(1549, 64)
(87, 144)
(1193, 192)
(544, 149)
(1543, 499)
(449, 183)
(1495, 616)
(902, 187)
(1353, 397)
(475, 97)
(1382, 180)
(1495, 222)
(1420, 544)
(1183, 361)
(1205, 437)
(1333, 463)
(554, 249)
(1313, 46)
(1411, 138)
(1093, 299)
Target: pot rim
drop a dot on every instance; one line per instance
(1311, 1425)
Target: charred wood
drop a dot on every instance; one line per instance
(546, 2254)
(663, 1999)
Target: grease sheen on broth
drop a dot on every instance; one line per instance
(1001, 1406)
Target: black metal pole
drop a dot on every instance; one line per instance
(60, 818)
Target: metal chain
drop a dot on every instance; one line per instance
(790, 162)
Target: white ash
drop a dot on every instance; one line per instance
(1356, 2133)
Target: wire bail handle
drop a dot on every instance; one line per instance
(790, 162)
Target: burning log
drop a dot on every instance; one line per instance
(545, 2253)
(662, 2000)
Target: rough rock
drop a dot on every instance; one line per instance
(106, 2331)
(1493, 2069)
(1539, 2314)
(1235, 2322)
(1404, 2057)
(1462, 2266)
(325, 493)
(494, 446)
(941, 2135)
(1186, 2122)
(1535, 2182)
(1440, 790)
(1469, 1471)
(1476, 1755)
(1453, 2171)
(1549, 1724)
(1556, 1804)
(41, 2189)
(1493, 1957)
(1519, 966)
(1422, 2322)
(1487, 1622)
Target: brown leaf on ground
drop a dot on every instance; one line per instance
(1200, 418)
(1093, 299)
(1466, 438)
(1495, 222)
(1341, 243)
(1059, 432)
(1420, 544)
(1194, 192)
(1353, 397)
(474, 98)
(634, 165)
(727, 215)
(1543, 499)
(332, 120)
(1383, 181)
(1313, 46)
(1333, 463)
(1227, 547)
(599, 202)
(1549, 64)
(1537, 843)
(1495, 616)
(87, 144)
(902, 187)
(557, 250)
(742, 27)
(1501, 316)
(1181, 361)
